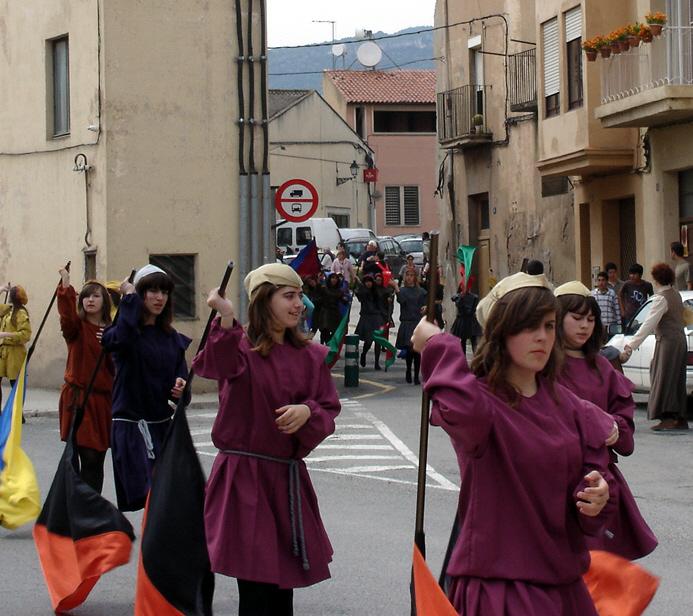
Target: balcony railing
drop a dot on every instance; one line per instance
(667, 60)
(457, 110)
(523, 80)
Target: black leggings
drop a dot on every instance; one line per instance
(91, 467)
(416, 358)
(367, 347)
(260, 599)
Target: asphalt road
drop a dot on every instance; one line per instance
(365, 480)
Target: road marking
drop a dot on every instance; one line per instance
(405, 451)
(364, 447)
(331, 471)
(203, 444)
(194, 415)
(200, 432)
(385, 389)
(354, 437)
(354, 426)
(372, 469)
(350, 457)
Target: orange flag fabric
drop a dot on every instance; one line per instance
(618, 586)
(430, 598)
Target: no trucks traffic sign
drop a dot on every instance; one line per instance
(296, 200)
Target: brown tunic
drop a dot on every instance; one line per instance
(83, 350)
(668, 367)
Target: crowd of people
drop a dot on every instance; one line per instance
(537, 418)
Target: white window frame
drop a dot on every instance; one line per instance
(59, 80)
(403, 218)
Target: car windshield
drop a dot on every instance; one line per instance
(640, 317)
(412, 245)
(356, 247)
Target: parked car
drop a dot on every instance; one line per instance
(413, 245)
(295, 235)
(395, 257)
(348, 234)
(637, 368)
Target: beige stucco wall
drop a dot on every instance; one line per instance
(325, 138)
(165, 171)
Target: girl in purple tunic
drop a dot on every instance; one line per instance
(532, 459)
(593, 378)
(150, 370)
(277, 402)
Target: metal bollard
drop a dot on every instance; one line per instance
(351, 361)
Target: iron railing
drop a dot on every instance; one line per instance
(667, 60)
(522, 68)
(457, 109)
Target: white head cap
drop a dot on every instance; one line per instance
(146, 271)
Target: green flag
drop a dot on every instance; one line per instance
(390, 350)
(337, 341)
(465, 255)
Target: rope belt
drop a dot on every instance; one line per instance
(298, 538)
(143, 427)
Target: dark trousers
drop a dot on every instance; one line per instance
(12, 382)
(91, 467)
(260, 599)
(414, 358)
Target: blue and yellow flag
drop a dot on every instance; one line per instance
(20, 501)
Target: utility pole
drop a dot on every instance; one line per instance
(328, 21)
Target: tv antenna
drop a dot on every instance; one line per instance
(332, 22)
(338, 51)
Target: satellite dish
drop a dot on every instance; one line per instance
(338, 50)
(369, 54)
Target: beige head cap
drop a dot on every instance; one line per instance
(278, 274)
(574, 287)
(511, 283)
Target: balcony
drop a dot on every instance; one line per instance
(650, 85)
(462, 117)
(523, 80)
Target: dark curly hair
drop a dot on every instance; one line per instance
(663, 274)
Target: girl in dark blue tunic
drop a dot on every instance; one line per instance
(150, 370)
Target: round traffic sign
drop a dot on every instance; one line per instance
(296, 200)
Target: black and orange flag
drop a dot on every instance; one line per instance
(430, 598)
(174, 575)
(619, 587)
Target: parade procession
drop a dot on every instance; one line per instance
(299, 317)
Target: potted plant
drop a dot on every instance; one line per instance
(590, 49)
(614, 42)
(656, 22)
(622, 38)
(603, 45)
(645, 33)
(633, 31)
(477, 123)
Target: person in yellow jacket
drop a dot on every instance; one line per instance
(15, 332)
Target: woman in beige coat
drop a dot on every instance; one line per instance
(15, 332)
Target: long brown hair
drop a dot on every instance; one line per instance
(158, 282)
(515, 312)
(261, 320)
(579, 304)
(91, 287)
(18, 298)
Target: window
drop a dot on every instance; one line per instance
(395, 198)
(60, 86)
(284, 236)
(573, 37)
(341, 220)
(90, 265)
(360, 121)
(552, 78)
(181, 268)
(404, 121)
(484, 220)
(303, 236)
(557, 185)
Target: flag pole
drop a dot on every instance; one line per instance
(7, 293)
(30, 352)
(205, 334)
(419, 534)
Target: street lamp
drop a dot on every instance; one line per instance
(353, 169)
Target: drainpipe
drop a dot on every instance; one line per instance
(243, 222)
(267, 217)
(255, 221)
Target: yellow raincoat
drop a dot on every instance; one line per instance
(13, 350)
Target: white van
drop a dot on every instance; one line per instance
(295, 235)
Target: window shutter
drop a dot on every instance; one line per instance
(552, 78)
(411, 205)
(392, 209)
(573, 24)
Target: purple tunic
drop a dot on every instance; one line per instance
(247, 509)
(627, 534)
(521, 548)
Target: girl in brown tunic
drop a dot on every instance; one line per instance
(82, 321)
(667, 401)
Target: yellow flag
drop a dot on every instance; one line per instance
(20, 501)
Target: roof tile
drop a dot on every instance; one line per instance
(391, 87)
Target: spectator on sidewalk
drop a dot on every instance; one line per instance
(343, 265)
(634, 293)
(607, 302)
(15, 332)
(613, 280)
(683, 270)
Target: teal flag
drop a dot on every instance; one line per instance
(465, 255)
(390, 350)
(337, 341)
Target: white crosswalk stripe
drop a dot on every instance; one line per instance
(362, 446)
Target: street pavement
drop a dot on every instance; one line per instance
(365, 478)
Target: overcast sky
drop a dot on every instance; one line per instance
(289, 22)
